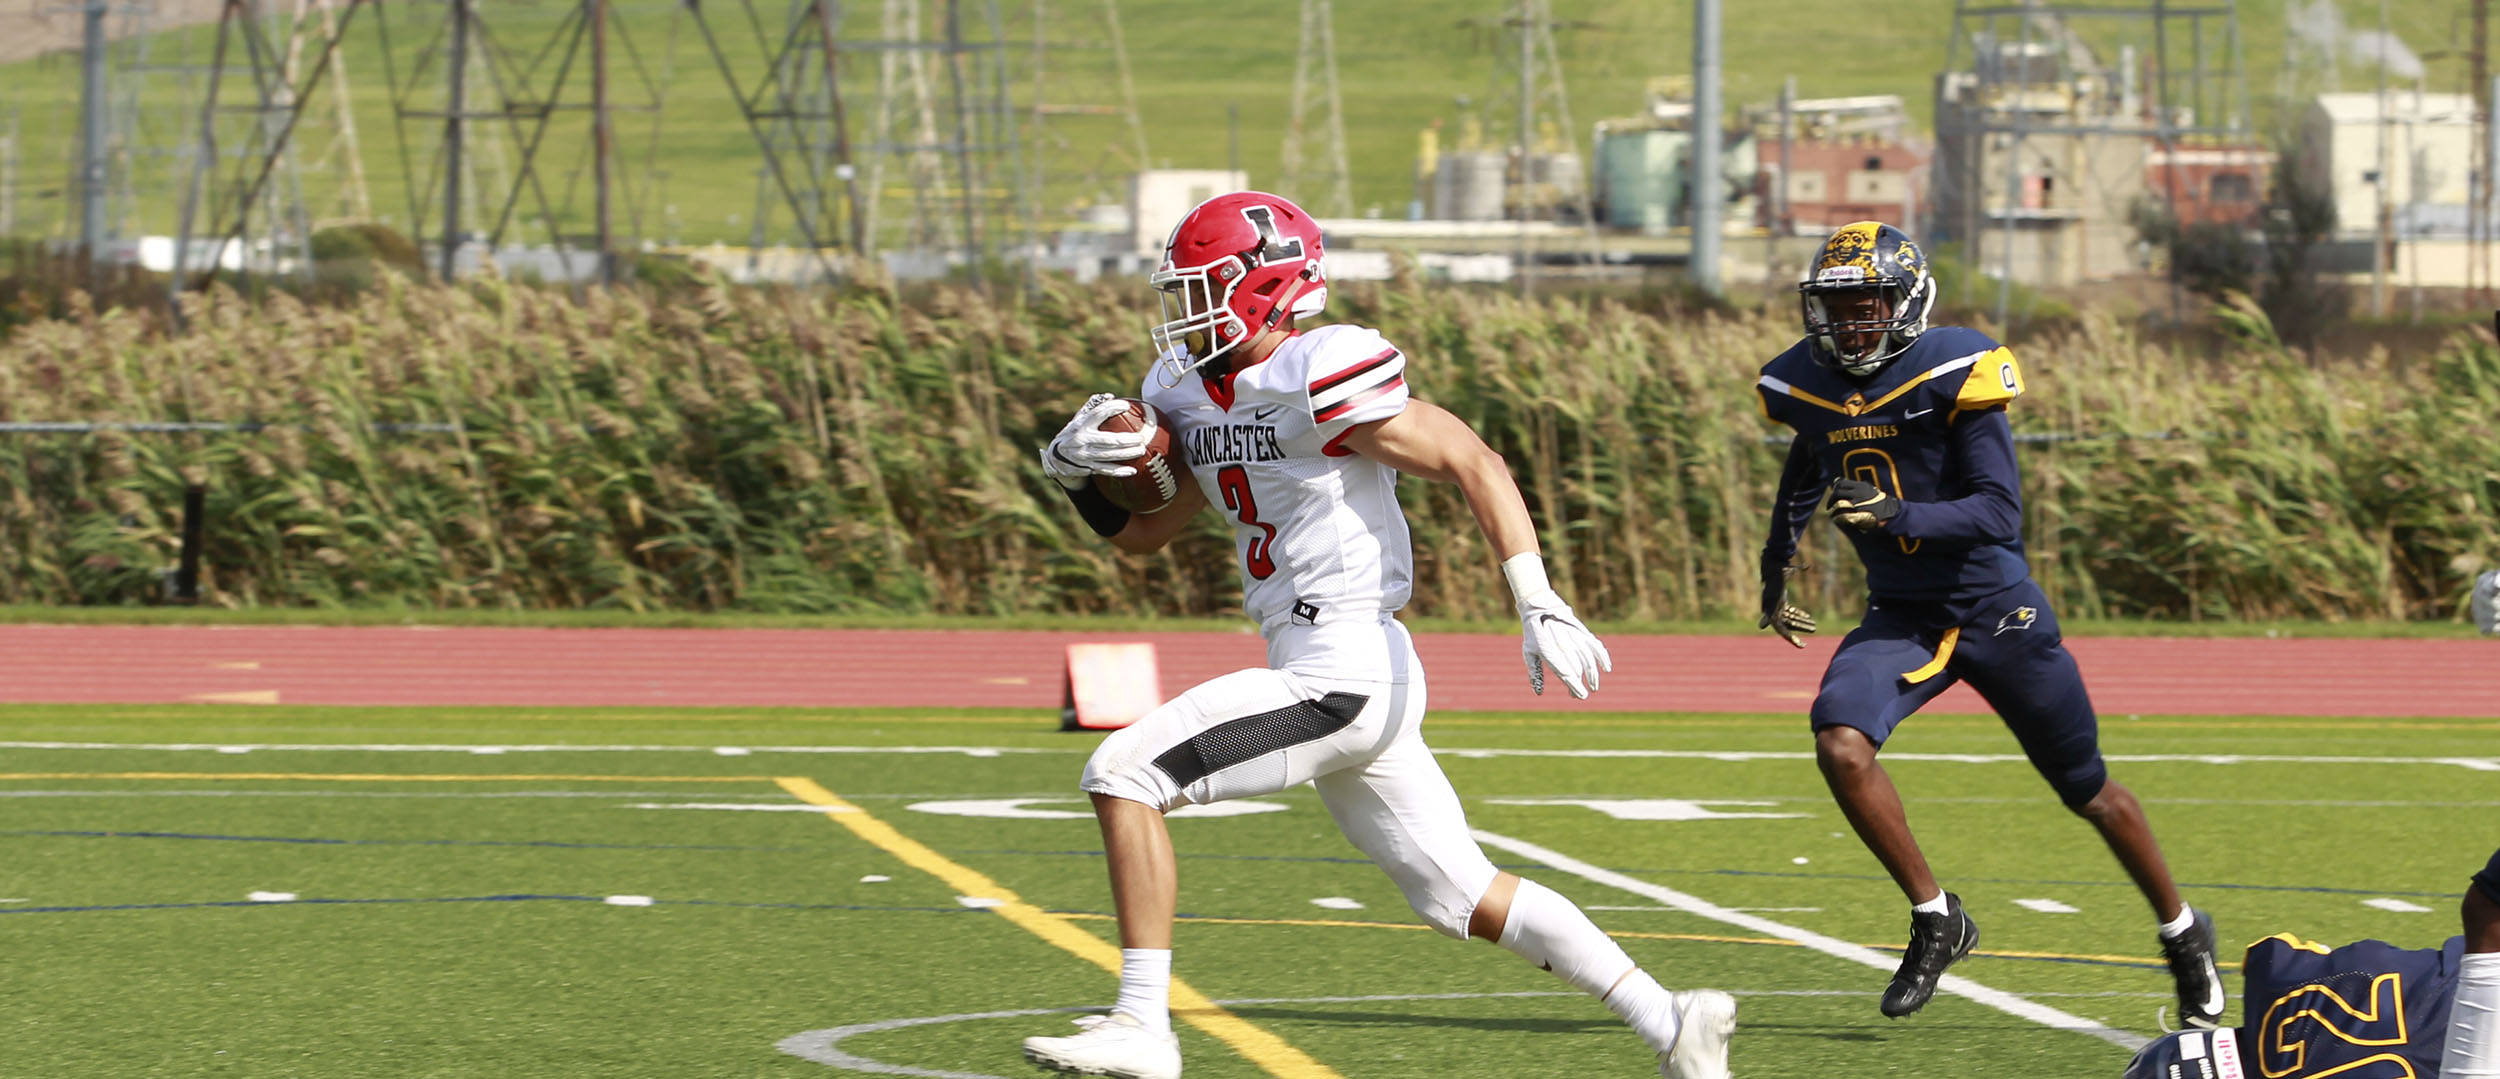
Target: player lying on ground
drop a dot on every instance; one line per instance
(1901, 434)
(2363, 1011)
(1300, 436)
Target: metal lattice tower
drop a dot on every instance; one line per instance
(824, 126)
(1052, 125)
(501, 98)
(1332, 176)
(339, 156)
(1541, 100)
(249, 110)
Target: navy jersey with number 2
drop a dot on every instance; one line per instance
(1929, 429)
(2368, 1010)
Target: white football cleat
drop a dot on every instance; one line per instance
(1118, 1046)
(1708, 1019)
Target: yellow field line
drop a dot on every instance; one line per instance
(1625, 934)
(1271, 1053)
(366, 777)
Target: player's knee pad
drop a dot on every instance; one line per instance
(1123, 767)
(1443, 897)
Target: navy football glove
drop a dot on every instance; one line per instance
(1778, 615)
(1860, 505)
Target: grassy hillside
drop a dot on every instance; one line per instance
(1402, 67)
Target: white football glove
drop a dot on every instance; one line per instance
(1550, 635)
(1083, 449)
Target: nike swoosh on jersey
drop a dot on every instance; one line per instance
(1917, 414)
(1264, 413)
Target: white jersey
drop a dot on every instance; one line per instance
(1318, 533)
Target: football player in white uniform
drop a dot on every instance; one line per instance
(1297, 437)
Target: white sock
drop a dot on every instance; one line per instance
(1546, 929)
(2186, 920)
(2474, 1021)
(1146, 987)
(1647, 1008)
(1932, 906)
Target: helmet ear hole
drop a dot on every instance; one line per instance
(1268, 287)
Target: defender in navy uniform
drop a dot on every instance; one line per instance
(1901, 435)
(2369, 1010)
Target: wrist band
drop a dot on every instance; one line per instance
(1526, 573)
(1100, 515)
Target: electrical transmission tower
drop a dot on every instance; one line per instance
(254, 100)
(945, 132)
(1332, 176)
(341, 156)
(1059, 127)
(500, 100)
(1548, 168)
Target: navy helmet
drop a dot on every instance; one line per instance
(1866, 257)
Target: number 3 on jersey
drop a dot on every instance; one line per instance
(1259, 557)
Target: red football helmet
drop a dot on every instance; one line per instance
(1233, 268)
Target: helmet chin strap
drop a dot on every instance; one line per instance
(1284, 303)
(1276, 314)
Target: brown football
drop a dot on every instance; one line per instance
(1158, 476)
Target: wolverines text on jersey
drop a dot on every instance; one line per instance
(1930, 430)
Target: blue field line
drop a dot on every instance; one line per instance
(534, 897)
(1314, 859)
(320, 841)
(1515, 867)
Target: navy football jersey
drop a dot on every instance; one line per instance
(1930, 429)
(2368, 1010)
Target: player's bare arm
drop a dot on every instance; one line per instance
(1147, 533)
(1426, 440)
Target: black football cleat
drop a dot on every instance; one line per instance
(1936, 942)
(2191, 956)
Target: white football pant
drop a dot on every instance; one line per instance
(1357, 740)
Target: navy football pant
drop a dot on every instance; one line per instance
(2008, 650)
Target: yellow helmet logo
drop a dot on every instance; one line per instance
(1849, 255)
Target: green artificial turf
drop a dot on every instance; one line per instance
(452, 917)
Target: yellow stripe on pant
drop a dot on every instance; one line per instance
(1944, 654)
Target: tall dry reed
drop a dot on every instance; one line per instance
(777, 450)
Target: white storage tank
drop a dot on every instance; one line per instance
(1469, 185)
(1641, 176)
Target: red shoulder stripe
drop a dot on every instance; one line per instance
(1323, 384)
(1351, 403)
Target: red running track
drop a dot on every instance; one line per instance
(878, 668)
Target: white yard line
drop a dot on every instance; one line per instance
(1838, 949)
(2477, 764)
